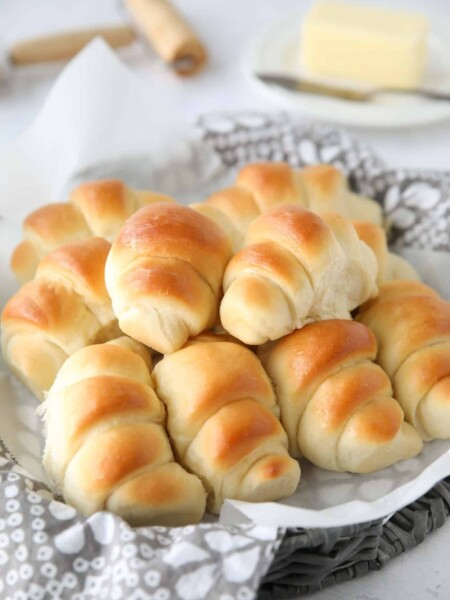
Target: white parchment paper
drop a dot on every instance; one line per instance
(100, 120)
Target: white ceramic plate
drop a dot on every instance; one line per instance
(277, 50)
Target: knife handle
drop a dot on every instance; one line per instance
(62, 46)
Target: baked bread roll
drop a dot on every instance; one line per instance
(390, 265)
(223, 421)
(106, 447)
(164, 275)
(261, 186)
(336, 403)
(296, 267)
(65, 308)
(97, 208)
(412, 327)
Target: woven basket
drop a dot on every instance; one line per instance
(309, 560)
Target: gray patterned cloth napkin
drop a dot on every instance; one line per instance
(416, 202)
(50, 551)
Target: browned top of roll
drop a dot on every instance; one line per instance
(98, 359)
(80, 263)
(109, 396)
(46, 300)
(55, 222)
(269, 258)
(323, 178)
(300, 231)
(209, 376)
(341, 395)
(124, 450)
(172, 231)
(292, 222)
(46, 307)
(404, 324)
(105, 204)
(316, 349)
(271, 183)
(241, 428)
(324, 185)
(237, 204)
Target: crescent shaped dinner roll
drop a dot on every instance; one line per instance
(412, 327)
(296, 267)
(223, 421)
(64, 308)
(106, 447)
(164, 275)
(336, 403)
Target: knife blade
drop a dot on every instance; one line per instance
(296, 84)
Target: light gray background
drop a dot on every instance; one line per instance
(226, 28)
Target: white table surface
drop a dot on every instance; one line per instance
(226, 28)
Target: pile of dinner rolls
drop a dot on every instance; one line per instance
(189, 354)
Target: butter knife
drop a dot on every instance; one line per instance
(311, 87)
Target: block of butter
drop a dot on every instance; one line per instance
(364, 43)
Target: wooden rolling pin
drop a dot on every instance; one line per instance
(62, 46)
(170, 35)
(162, 25)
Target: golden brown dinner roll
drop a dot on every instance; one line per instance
(106, 447)
(412, 327)
(164, 275)
(97, 208)
(63, 309)
(390, 265)
(261, 186)
(296, 267)
(336, 403)
(222, 418)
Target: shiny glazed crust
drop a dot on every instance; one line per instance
(265, 185)
(63, 309)
(336, 403)
(164, 275)
(296, 267)
(106, 446)
(96, 208)
(222, 418)
(412, 327)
